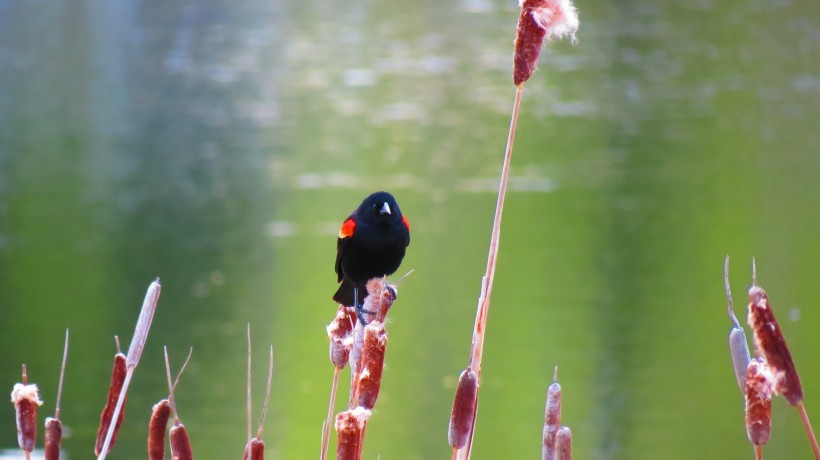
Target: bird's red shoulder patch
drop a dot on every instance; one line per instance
(406, 224)
(347, 229)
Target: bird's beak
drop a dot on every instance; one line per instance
(385, 209)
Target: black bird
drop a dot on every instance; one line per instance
(371, 244)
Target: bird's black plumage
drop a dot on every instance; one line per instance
(372, 241)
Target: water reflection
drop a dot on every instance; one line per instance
(219, 146)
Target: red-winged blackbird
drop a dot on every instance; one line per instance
(371, 243)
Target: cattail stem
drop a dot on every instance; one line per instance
(483, 308)
(804, 417)
(328, 422)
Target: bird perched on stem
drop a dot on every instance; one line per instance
(372, 241)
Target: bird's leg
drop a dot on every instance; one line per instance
(360, 307)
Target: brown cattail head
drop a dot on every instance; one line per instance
(380, 297)
(156, 430)
(552, 419)
(350, 426)
(114, 389)
(54, 435)
(26, 399)
(254, 450)
(369, 379)
(340, 333)
(563, 444)
(540, 19)
(758, 402)
(771, 344)
(464, 407)
(180, 443)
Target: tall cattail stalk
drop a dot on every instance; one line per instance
(539, 19)
(54, 427)
(149, 306)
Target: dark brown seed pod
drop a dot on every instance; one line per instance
(370, 378)
(254, 450)
(540, 19)
(54, 434)
(758, 402)
(157, 428)
(552, 419)
(180, 443)
(26, 399)
(771, 344)
(464, 407)
(350, 426)
(114, 389)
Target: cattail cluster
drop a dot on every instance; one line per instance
(772, 371)
(363, 346)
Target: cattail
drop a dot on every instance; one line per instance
(563, 444)
(114, 389)
(758, 402)
(180, 443)
(350, 426)
(552, 418)
(54, 435)
(54, 427)
(771, 344)
(178, 436)
(464, 406)
(254, 450)
(26, 398)
(141, 330)
(738, 346)
(540, 19)
(156, 430)
(340, 333)
(370, 378)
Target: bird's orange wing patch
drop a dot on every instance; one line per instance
(347, 229)
(406, 224)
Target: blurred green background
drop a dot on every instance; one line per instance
(219, 145)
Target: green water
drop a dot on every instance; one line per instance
(219, 145)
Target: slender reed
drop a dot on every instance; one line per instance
(255, 448)
(178, 436)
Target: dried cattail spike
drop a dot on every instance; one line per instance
(771, 344)
(254, 450)
(370, 378)
(26, 399)
(350, 426)
(340, 333)
(540, 19)
(563, 444)
(552, 418)
(758, 402)
(156, 430)
(738, 346)
(464, 407)
(114, 389)
(54, 435)
(180, 443)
